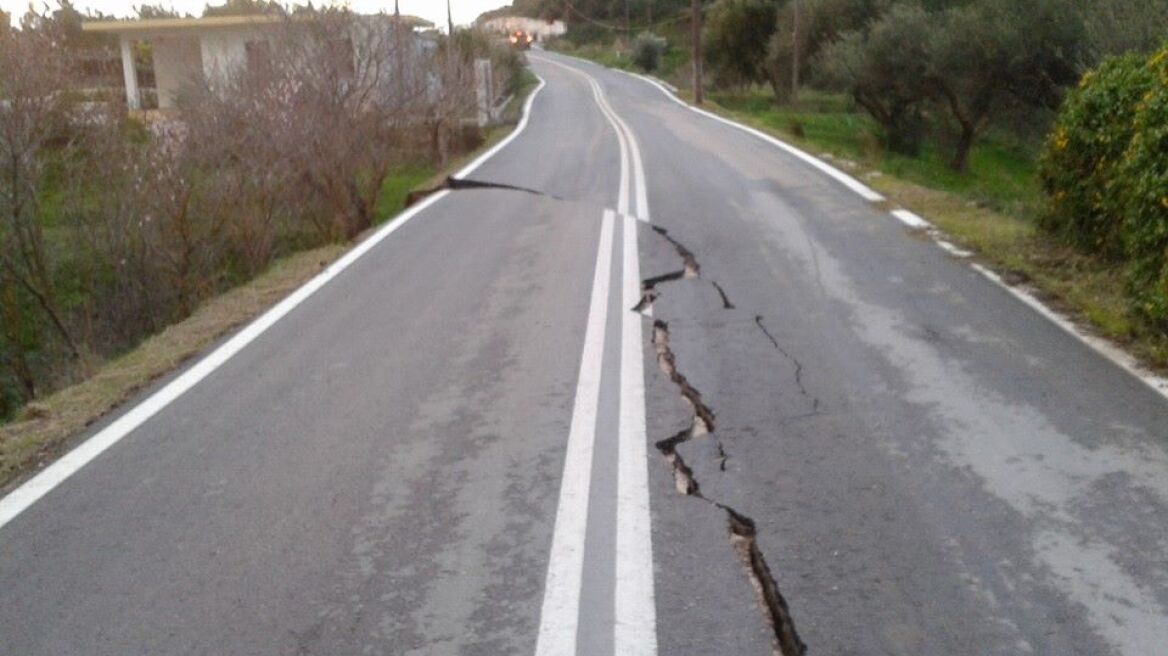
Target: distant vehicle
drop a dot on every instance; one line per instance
(521, 40)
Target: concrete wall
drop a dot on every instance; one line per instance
(177, 64)
(224, 52)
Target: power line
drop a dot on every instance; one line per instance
(619, 28)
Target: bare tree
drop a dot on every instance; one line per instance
(34, 130)
(347, 91)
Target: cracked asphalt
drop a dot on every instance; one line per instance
(875, 449)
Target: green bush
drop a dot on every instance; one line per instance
(1105, 172)
(648, 49)
(1079, 167)
(1144, 191)
(737, 34)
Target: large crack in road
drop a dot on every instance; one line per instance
(741, 528)
(468, 184)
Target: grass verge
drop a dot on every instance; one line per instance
(49, 427)
(989, 211)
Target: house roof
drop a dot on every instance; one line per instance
(156, 25)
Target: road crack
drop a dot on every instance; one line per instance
(464, 184)
(741, 528)
(758, 319)
(650, 291)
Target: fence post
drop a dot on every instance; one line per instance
(484, 90)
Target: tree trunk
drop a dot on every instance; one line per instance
(960, 162)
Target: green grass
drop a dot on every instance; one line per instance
(1003, 174)
(397, 186)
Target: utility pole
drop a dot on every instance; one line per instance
(449, 19)
(649, 11)
(396, 10)
(696, 28)
(795, 55)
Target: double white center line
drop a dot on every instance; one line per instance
(635, 621)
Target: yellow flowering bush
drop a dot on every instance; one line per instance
(1143, 176)
(1084, 150)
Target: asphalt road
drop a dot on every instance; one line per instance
(818, 428)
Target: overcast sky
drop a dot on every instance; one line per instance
(465, 11)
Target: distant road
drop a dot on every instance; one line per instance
(695, 396)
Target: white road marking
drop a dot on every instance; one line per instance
(628, 144)
(953, 249)
(618, 124)
(1118, 356)
(911, 220)
(1103, 347)
(34, 489)
(635, 631)
(861, 189)
(560, 614)
(635, 626)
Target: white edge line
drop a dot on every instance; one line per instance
(1118, 356)
(911, 220)
(861, 189)
(953, 249)
(560, 612)
(35, 488)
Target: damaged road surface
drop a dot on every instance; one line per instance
(643, 384)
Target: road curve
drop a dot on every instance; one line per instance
(693, 397)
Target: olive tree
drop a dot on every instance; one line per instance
(1119, 26)
(885, 70)
(736, 39)
(971, 61)
(817, 24)
(985, 55)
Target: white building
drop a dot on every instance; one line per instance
(187, 50)
(540, 28)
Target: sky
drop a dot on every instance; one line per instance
(465, 11)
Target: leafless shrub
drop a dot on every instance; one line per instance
(111, 228)
(34, 130)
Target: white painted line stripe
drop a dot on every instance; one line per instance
(954, 249)
(864, 191)
(635, 627)
(911, 220)
(627, 181)
(560, 614)
(642, 189)
(602, 103)
(635, 631)
(31, 491)
(1121, 358)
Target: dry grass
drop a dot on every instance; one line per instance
(1088, 290)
